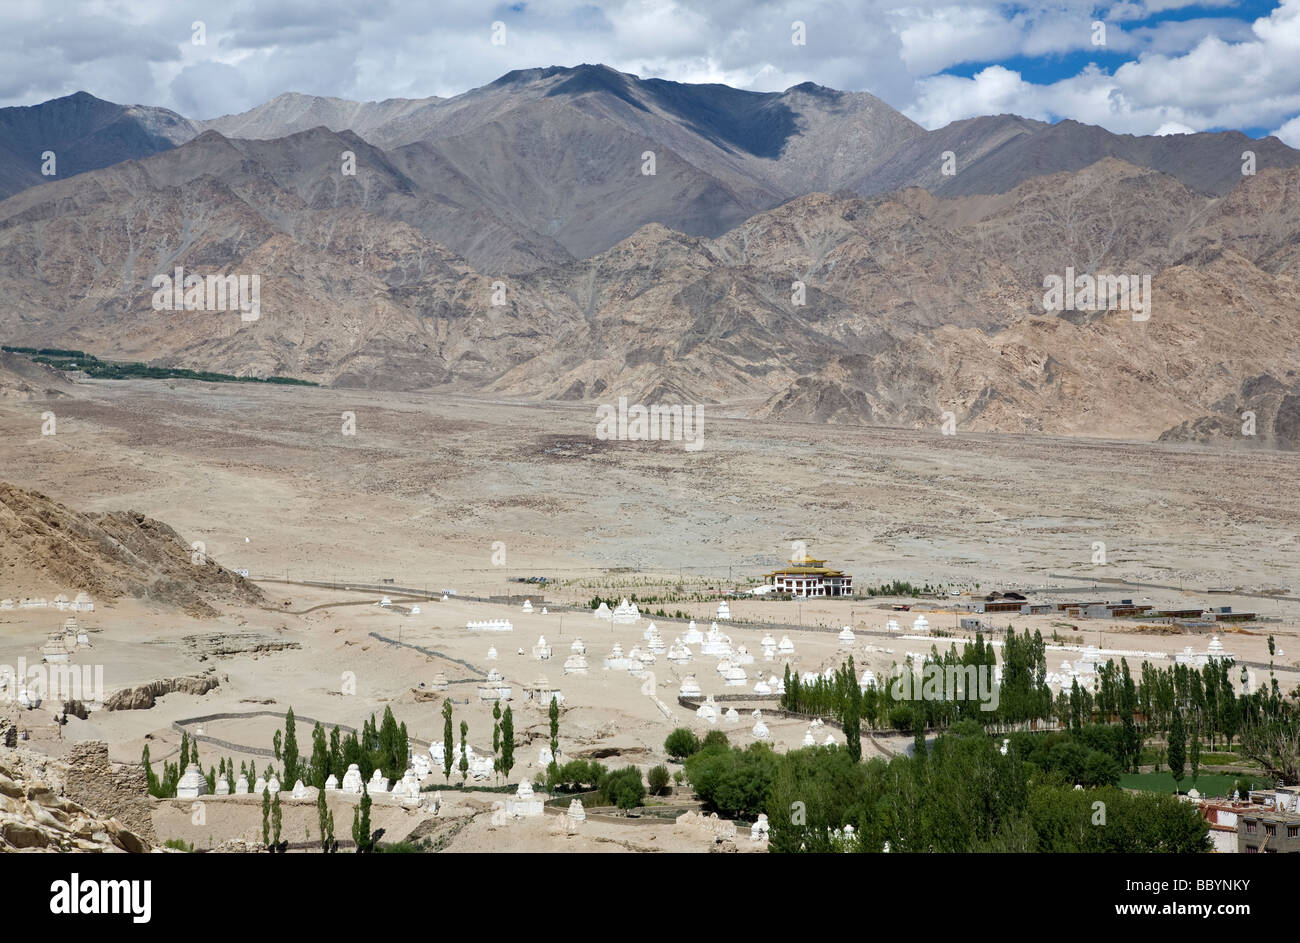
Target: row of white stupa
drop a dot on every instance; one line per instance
(81, 603)
(627, 613)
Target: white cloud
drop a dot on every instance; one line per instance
(1194, 73)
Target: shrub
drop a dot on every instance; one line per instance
(657, 778)
(623, 788)
(682, 743)
(715, 740)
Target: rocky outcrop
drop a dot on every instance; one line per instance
(121, 792)
(142, 696)
(120, 553)
(33, 817)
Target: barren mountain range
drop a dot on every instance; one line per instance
(509, 241)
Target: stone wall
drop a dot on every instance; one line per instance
(117, 792)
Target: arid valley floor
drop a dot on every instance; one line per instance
(432, 488)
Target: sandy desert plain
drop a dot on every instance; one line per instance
(434, 486)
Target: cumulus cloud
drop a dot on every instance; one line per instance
(1152, 74)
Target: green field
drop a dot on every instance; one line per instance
(1208, 784)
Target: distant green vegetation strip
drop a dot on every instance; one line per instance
(1208, 784)
(62, 359)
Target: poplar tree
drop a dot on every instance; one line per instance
(320, 757)
(290, 749)
(496, 736)
(336, 766)
(266, 817)
(277, 818)
(322, 815)
(464, 760)
(1177, 748)
(1195, 755)
(507, 741)
(555, 730)
(448, 739)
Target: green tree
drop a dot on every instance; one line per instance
(266, 817)
(336, 756)
(658, 779)
(496, 736)
(277, 819)
(715, 740)
(1195, 754)
(448, 740)
(276, 742)
(555, 728)
(361, 834)
(507, 741)
(322, 816)
(291, 772)
(320, 758)
(464, 758)
(1177, 748)
(682, 743)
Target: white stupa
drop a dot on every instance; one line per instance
(299, 790)
(808, 740)
(352, 779)
(760, 730)
(576, 664)
(846, 637)
(626, 613)
(273, 786)
(602, 612)
(732, 716)
(542, 650)
(523, 802)
(892, 626)
(678, 653)
(241, 786)
(616, 660)
(829, 741)
(776, 684)
(742, 656)
(921, 624)
(868, 680)
(693, 635)
(578, 647)
(735, 677)
(259, 787)
(223, 786)
(577, 811)
(331, 783)
(192, 784)
(769, 647)
(690, 687)
(758, 832)
(708, 711)
(655, 643)
(378, 783)
(528, 605)
(724, 611)
(492, 653)
(762, 687)
(786, 647)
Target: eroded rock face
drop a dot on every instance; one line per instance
(34, 817)
(142, 697)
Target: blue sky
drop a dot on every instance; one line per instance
(1166, 66)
